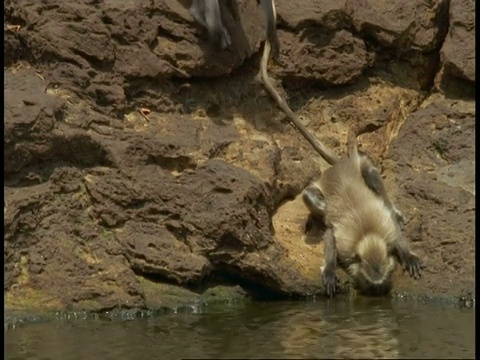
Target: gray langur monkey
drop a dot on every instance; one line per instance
(364, 229)
(207, 13)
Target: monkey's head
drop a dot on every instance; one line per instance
(373, 268)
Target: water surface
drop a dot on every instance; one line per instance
(365, 328)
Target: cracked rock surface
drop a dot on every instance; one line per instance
(137, 159)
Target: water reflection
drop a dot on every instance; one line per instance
(364, 328)
(343, 333)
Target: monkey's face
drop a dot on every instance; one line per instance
(373, 279)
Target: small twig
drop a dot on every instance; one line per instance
(144, 112)
(13, 28)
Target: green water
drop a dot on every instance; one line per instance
(366, 328)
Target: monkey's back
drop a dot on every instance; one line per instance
(352, 208)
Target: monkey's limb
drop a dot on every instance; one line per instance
(315, 201)
(198, 13)
(374, 181)
(409, 260)
(207, 13)
(271, 23)
(371, 175)
(328, 272)
(294, 121)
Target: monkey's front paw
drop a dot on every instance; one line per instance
(411, 263)
(329, 281)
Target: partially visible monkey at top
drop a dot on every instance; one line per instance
(364, 228)
(207, 13)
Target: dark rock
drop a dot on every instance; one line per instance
(153, 250)
(458, 50)
(413, 25)
(126, 175)
(324, 56)
(441, 213)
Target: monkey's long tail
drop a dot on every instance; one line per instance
(294, 121)
(352, 142)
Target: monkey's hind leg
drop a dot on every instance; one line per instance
(219, 35)
(374, 181)
(207, 13)
(371, 175)
(315, 201)
(198, 12)
(271, 25)
(221, 38)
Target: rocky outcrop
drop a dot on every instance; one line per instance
(458, 50)
(137, 158)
